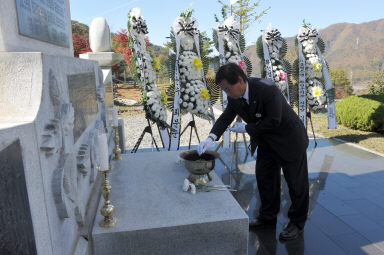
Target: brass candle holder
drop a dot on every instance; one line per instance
(116, 150)
(108, 209)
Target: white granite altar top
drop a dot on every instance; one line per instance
(147, 193)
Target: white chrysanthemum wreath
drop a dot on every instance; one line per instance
(154, 101)
(194, 95)
(316, 94)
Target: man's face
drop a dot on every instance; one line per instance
(234, 91)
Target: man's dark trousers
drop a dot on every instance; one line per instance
(268, 171)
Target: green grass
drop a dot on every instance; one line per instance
(370, 140)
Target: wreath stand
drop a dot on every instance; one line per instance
(235, 155)
(238, 119)
(191, 124)
(309, 115)
(147, 129)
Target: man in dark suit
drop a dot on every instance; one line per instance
(281, 139)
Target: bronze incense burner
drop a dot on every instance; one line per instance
(199, 166)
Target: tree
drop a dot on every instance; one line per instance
(376, 86)
(243, 10)
(80, 38)
(341, 83)
(79, 28)
(120, 44)
(80, 44)
(207, 43)
(163, 76)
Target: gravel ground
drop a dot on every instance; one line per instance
(134, 125)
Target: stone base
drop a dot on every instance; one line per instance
(154, 215)
(45, 101)
(105, 59)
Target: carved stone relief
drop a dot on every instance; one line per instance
(58, 133)
(51, 138)
(79, 216)
(61, 186)
(54, 94)
(68, 118)
(83, 159)
(93, 164)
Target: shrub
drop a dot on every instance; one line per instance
(364, 112)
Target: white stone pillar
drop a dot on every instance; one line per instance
(100, 41)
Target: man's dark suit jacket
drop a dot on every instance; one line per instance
(271, 122)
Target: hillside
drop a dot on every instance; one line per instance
(356, 48)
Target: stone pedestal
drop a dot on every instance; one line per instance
(104, 59)
(154, 215)
(51, 108)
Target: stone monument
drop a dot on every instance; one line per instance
(52, 107)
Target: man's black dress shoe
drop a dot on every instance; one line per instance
(261, 223)
(291, 231)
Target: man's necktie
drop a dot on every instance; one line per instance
(243, 102)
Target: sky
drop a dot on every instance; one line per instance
(287, 16)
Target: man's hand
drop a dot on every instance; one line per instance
(238, 127)
(205, 145)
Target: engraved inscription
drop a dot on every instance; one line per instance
(16, 229)
(82, 94)
(44, 20)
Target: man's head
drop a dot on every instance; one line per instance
(232, 79)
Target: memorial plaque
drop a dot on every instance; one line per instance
(16, 229)
(109, 98)
(82, 94)
(44, 20)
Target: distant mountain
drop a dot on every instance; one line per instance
(356, 48)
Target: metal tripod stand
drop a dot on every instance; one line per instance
(191, 124)
(147, 129)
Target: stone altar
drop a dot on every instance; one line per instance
(154, 215)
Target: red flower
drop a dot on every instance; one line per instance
(283, 76)
(242, 65)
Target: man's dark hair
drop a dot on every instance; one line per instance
(230, 72)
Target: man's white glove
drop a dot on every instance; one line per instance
(205, 145)
(238, 127)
